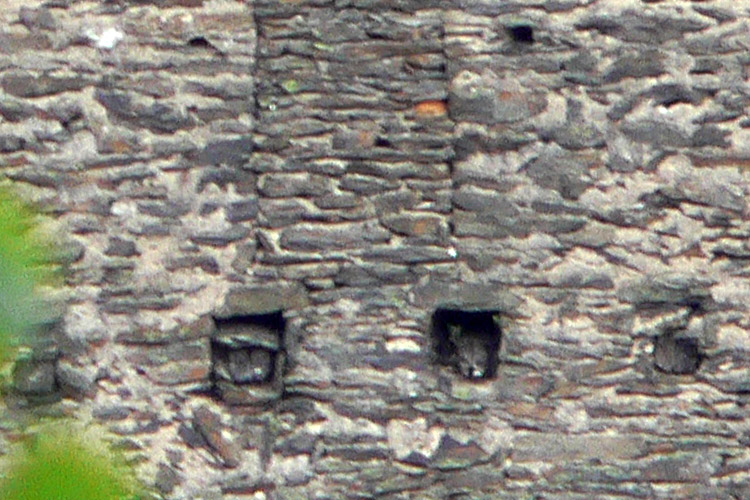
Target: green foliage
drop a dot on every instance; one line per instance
(24, 266)
(57, 466)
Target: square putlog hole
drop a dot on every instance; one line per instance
(467, 341)
(248, 350)
(676, 356)
(521, 33)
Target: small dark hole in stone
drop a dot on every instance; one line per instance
(468, 341)
(677, 356)
(376, 35)
(521, 33)
(245, 349)
(199, 41)
(383, 143)
(668, 103)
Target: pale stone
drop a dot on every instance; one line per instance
(733, 337)
(572, 415)
(406, 437)
(496, 435)
(295, 469)
(402, 345)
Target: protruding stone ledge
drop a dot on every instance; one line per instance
(263, 299)
(467, 296)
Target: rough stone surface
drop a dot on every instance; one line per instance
(580, 167)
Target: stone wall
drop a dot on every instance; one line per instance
(291, 226)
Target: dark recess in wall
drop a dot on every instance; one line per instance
(676, 356)
(245, 349)
(467, 341)
(521, 33)
(199, 41)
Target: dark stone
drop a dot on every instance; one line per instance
(366, 185)
(166, 478)
(277, 185)
(160, 350)
(245, 256)
(239, 211)
(12, 143)
(393, 201)
(263, 299)
(225, 89)
(338, 201)
(128, 305)
(220, 238)
(465, 296)
(668, 289)
(70, 252)
(157, 117)
(40, 18)
(733, 100)
(34, 377)
(76, 381)
(472, 138)
(167, 209)
(487, 225)
(711, 135)
(691, 468)
(119, 247)
(26, 84)
(649, 62)
(672, 93)
(389, 171)
(731, 251)
(111, 413)
(472, 98)
(717, 116)
(583, 62)
(373, 274)
(201, 328)
(621, 108)
(718, 13)
(710, 44)
(281, 212)
(332, 237)
(154, 229)
(453, 454)
(484, 201)
(706, 65)
(232, 152)
(657, 133)
(591, 279)
(208, 425)
(247, 394)
(408, 254)
(578, 135)
(561, 172)
(191, 437)
(415, 224)
(205, 262)
(39, 178)
(635, 26)
(14, 110)
(243, 180)
(481, 99)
